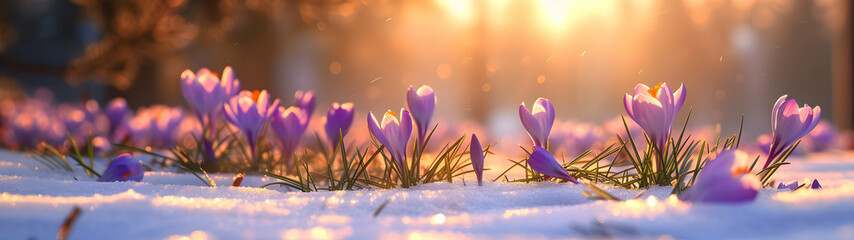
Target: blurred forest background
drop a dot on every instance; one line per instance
(482, 57)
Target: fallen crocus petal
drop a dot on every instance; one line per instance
(791, 186)
(543, 162)
(815, 184)
(725, 179)
(476, 153)
(123, 168)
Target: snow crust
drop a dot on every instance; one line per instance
(35, 200)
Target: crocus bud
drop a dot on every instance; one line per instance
(538, 122)
(249, 111)
(123, 168)
(823, 137)
(393, 133)
(289, 125)
(305, 101)
(789, 124)
(338, 122)
(476, 153)
(543, 162)
(421, 104)
(726, 178)
(654, 110)
(101, 145)
(763, 142)
(117, 112)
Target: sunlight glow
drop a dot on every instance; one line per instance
(560, 14)
(461, 10)
(437, 219)
(649, 208)
(556, 11)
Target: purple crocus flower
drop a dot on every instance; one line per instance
(206, 93)
(76, 123)
(421, 104)
(538, 122)
(476, 153)
(123, 168)
(543, 162)
(101, 145)
(305, 101)
(32, 124)
(117, 112)
(724, 179)
(289, 125)
(823, 137)
(154, 126)
(249, 111)
(338, 121)
(788, 124)
(393, 134)
(654, 110)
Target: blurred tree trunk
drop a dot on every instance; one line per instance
(843, 103)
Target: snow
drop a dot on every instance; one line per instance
(35, 201)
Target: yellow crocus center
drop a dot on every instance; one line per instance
(255, 95)
(654, 90)
(390, 112)
(126, 175)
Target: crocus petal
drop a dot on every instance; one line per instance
(531, 125)
(776, 109)
(405, 125)
(665, 96)
(679, 97)
(305, 101)
(627, 103)
(476, 153)
(641, 89)
(543, 162)
(375, 129)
